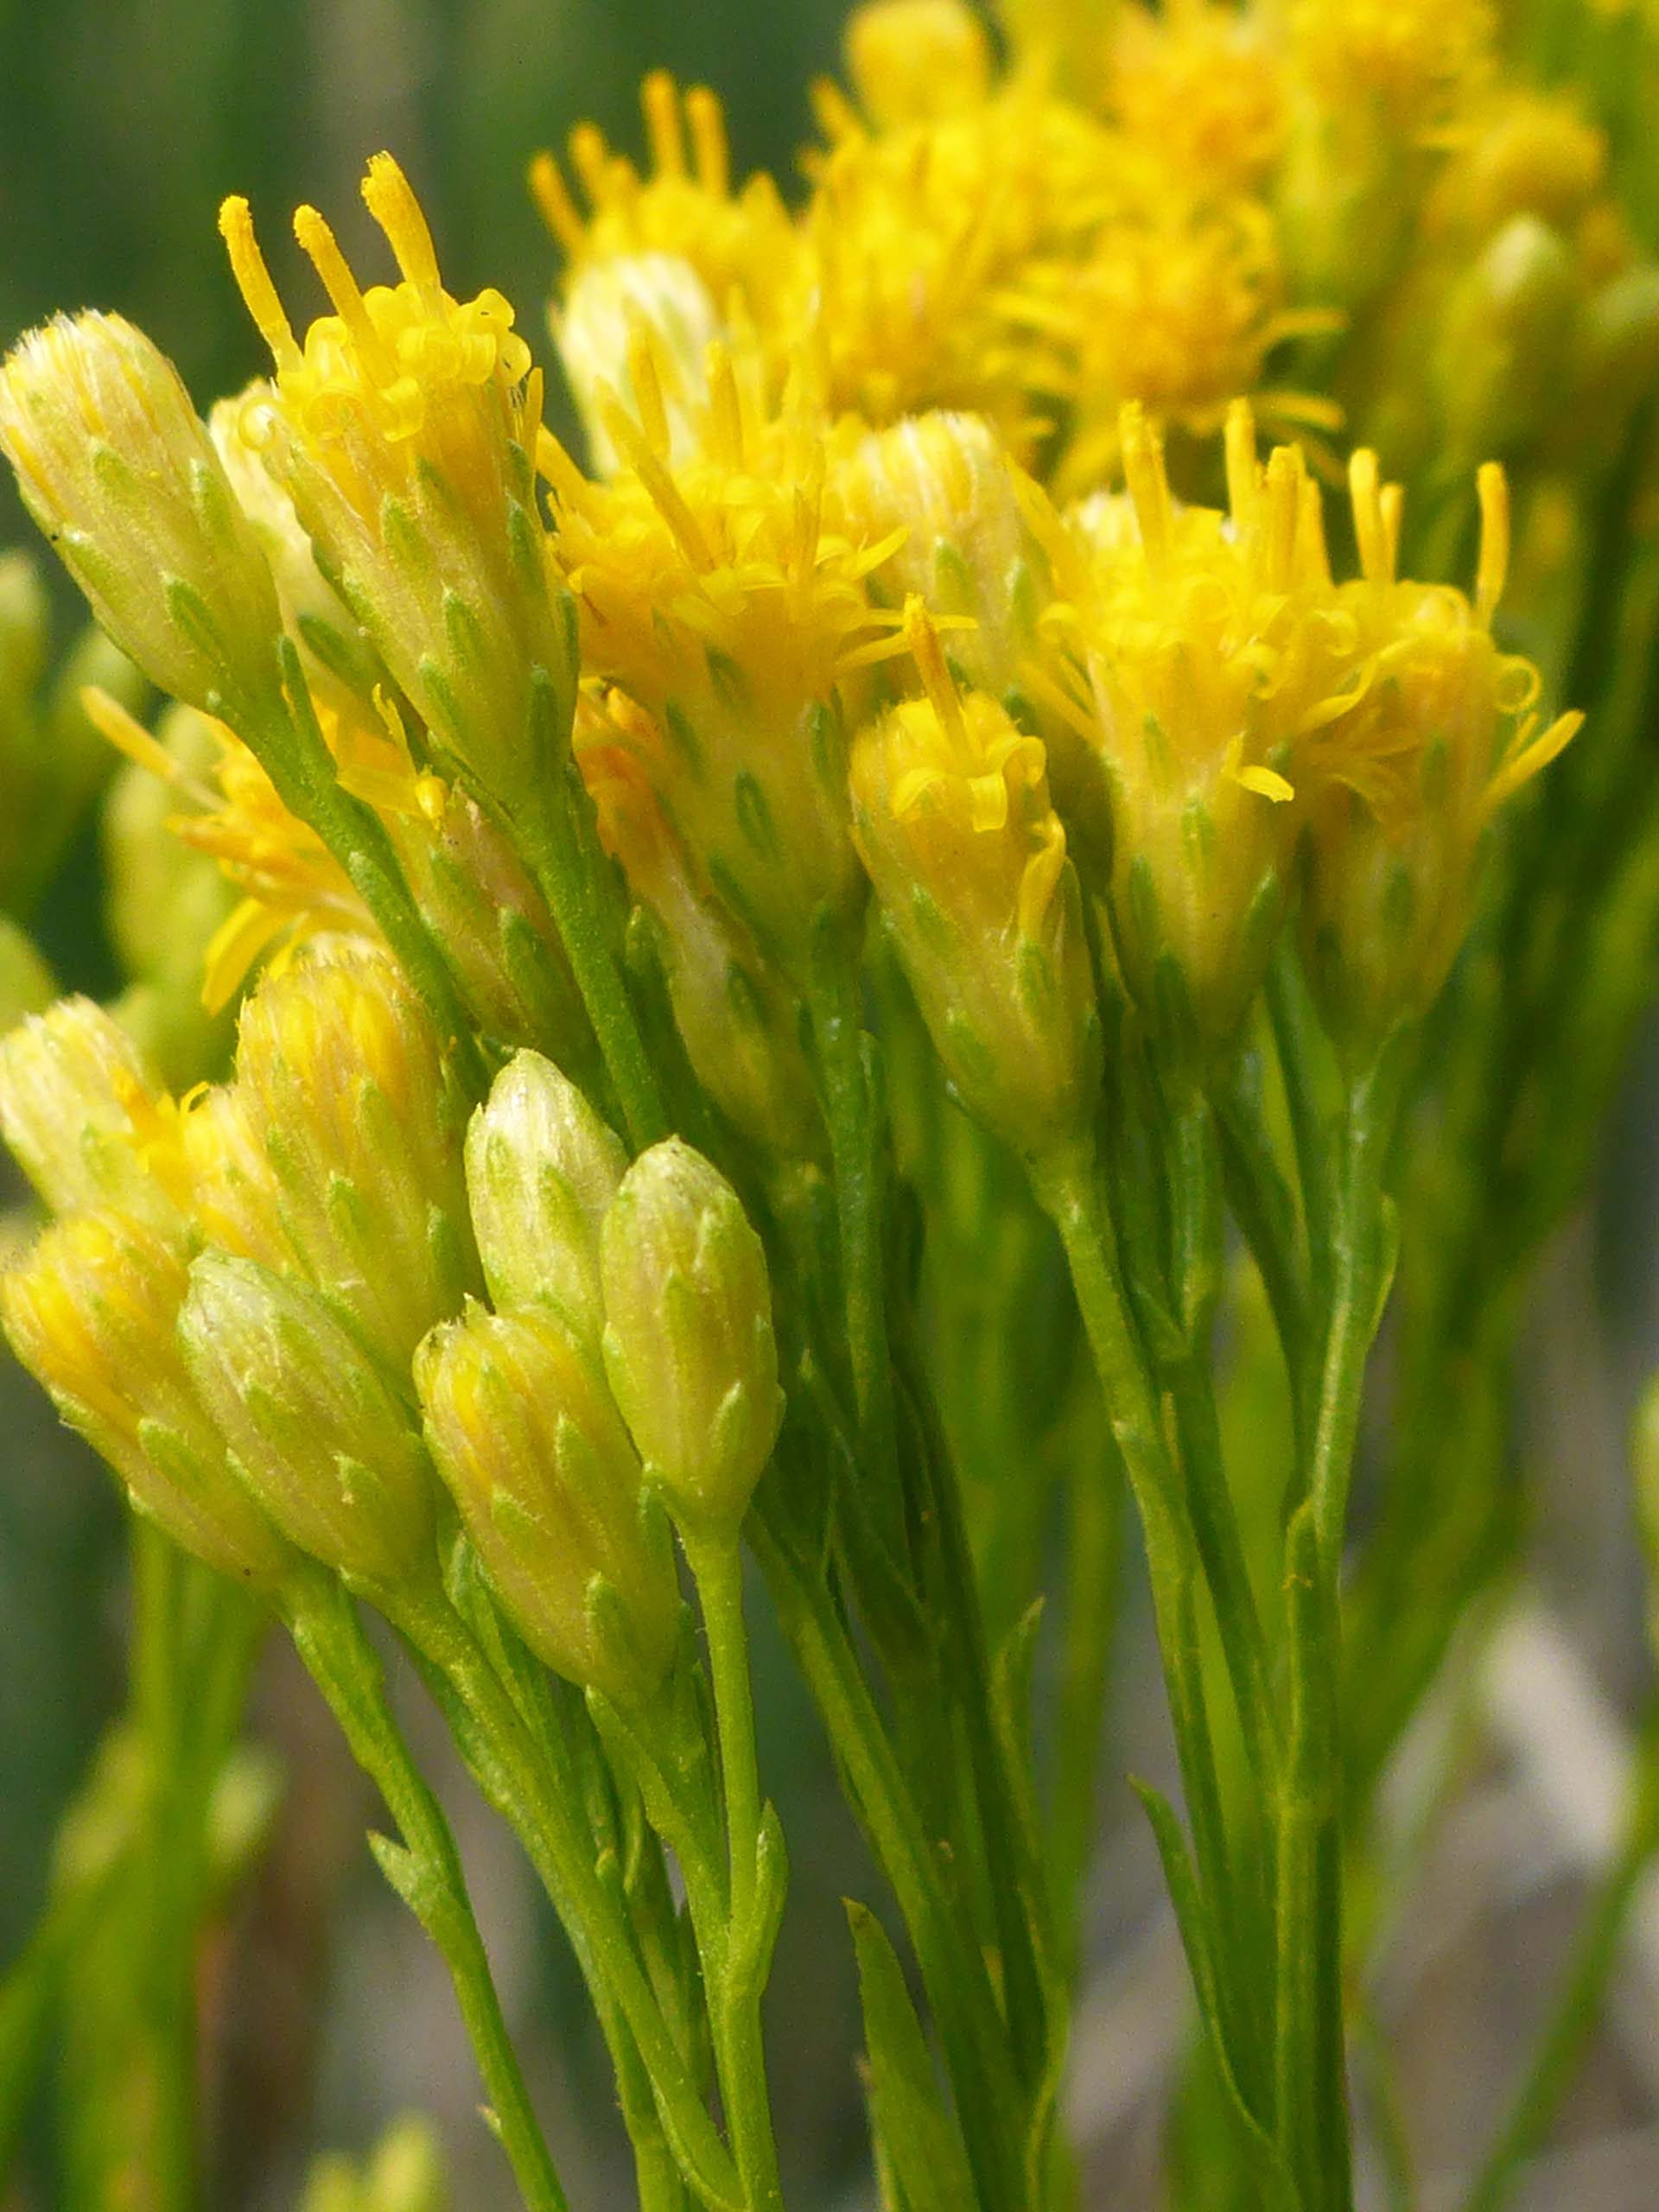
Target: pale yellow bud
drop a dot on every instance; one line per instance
(949, 482)
(689, 1344)
(91, 1313)
(313, 1428)
(116, 467)
(541, 1169)
(595, 327)
(79, 1108)
(27, 984)
(525, 1435)
(346, 1085)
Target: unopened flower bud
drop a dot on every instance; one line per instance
(689, 1344)
(952, 816)
(593, 327)
(78, 1109)
(312, 1426)
(950, 483)
(91, 1313)
(348, 1090)
(116, 467)
(916, 61)
(525, 1435)
(541, 1169)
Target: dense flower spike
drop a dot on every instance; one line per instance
(402, 429)
(524, 1434)
(688, 1344)
(968, 857)
(119, 471)
(90, 1312)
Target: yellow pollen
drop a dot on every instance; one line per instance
(389, 199)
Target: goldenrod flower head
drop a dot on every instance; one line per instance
(1523, 153)
(1178, 305)
(1202, 87)
(525, 1435)
(114, 464)
(914, 61)
(402, 429)
(918, 235)
(737, 1018)
(346, 1087)
(953, 820)
(739, 242)
(314, 1430)
(950, 483)
(541, 1169)
(82, 1113)
(1408, 777)
(689, 1344)
(595, 329)
(1196, 654)
(727, 599)
(222, 1178)
(90, 1312)
(1411, 60)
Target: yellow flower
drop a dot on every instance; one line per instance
(914, 61)
(1202, 87)
(726, 599)
(918, 235)
(1407, 781)
(1179, 305)
(952, 816)
(402, 430)
(741, 245)
(594, 329)
(1410, 60)
(1195, 653)
(91, 1313)
(116, 469)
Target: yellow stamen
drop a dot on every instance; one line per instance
(320, 247)
(253, 280)
(661, 102)
(1370, 528)
(1492, 571)
(389, 199)
(710, 154)
(1143, 472)
(552, 198)
(924, 642)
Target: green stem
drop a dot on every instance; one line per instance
(983, 2076)
(849, 1112)
(1583, 1991)
(538, 1796)
(330, 1639)
(558, 841)
(716, 1563)
(1094, 1549)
